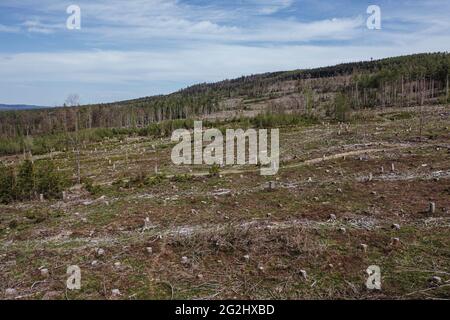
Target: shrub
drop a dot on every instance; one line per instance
(182, 178)
(7, 183)
(13, 224)
(214, 170)
(89, 186)
(48, 181)
(37, 215)
(155, 180)
(342, 107)
(25, 181)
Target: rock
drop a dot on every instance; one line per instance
(304, 274)
(147, 225)
(435, 281)
(94, 263)
(363, 247)
(100, 252)
(395, 242)
(432, 208)
(117, 264)
(247, 257)
(115, 292)
(332, 217)
(11, 292)
(185, 260)
(200, 277)
(396, 226)
(342, 230)
(272, 185)
(44, 272)
(149, 250)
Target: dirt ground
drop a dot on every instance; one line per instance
(346, 197)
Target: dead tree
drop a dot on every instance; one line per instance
(73, 101)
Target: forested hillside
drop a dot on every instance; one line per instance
(323, 92)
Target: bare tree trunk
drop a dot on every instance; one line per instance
(421, 123)
(403, 91)
(446, 91)
(77, 146)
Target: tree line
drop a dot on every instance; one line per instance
(400, 81)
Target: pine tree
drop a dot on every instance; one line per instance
(341, 107)
(25, 181)
(48, 181)
(7, 182)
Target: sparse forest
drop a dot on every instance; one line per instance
(401, 81)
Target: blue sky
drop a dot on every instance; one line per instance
(133, 48)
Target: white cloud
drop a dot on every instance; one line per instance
(194, 63)
(137, 20)
(166, 44)
(269, 7)
(8, 29)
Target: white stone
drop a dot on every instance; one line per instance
(44, 272)
(184, 260)
(396, 226)
(432, 208)
(247, 257)
(149, 250)
(304, 274)
(11, 292)
(100, 252)
(436, 280)
(115, 292)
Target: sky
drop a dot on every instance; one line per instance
(134, 48)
